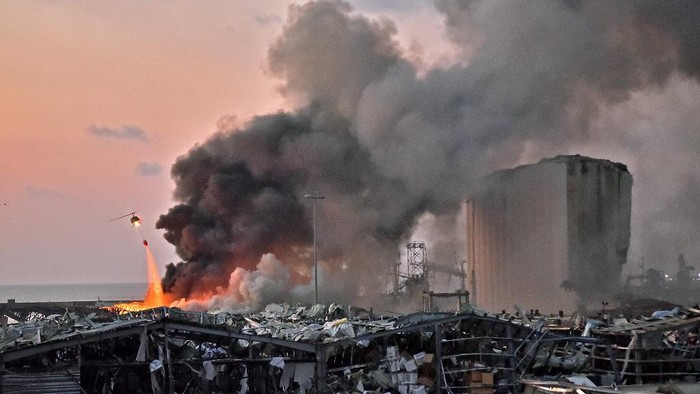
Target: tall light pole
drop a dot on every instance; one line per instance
(315, 196)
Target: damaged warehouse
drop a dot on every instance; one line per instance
(283, 348)
(340, 349)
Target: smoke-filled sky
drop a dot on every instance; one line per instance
(212, 119)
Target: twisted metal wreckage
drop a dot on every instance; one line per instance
(340, 349)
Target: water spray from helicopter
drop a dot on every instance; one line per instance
(154, 294)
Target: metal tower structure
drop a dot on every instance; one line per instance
(417, 257)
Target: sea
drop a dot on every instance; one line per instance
(73, 292)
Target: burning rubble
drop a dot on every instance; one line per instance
(154, 294)
(246, 290)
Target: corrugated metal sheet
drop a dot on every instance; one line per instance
(65, 381)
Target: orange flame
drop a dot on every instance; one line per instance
(154, 295)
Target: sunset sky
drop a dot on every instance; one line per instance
(98, 99)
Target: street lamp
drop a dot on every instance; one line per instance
(315, 196)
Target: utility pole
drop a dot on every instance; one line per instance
(313, 196)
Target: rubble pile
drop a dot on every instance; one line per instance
(38, 328)
(314, 324)
(340, 349)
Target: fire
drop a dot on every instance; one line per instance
(154, 295)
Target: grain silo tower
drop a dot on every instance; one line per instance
(550, 236)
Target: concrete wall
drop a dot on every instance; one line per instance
(542, 236)
(599, 195)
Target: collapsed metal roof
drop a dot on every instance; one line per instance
(344, 348)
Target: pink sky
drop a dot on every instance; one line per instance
(76, 77)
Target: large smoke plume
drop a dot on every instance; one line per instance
(386, 144)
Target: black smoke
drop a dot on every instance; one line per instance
(385, 145)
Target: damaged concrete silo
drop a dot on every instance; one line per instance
(551, 236)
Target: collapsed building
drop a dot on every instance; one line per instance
(552, 235)
(340, 349)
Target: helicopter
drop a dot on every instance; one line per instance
(135, 220)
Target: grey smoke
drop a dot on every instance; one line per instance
(387, 146)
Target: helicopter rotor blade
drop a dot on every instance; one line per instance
(123, 216)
